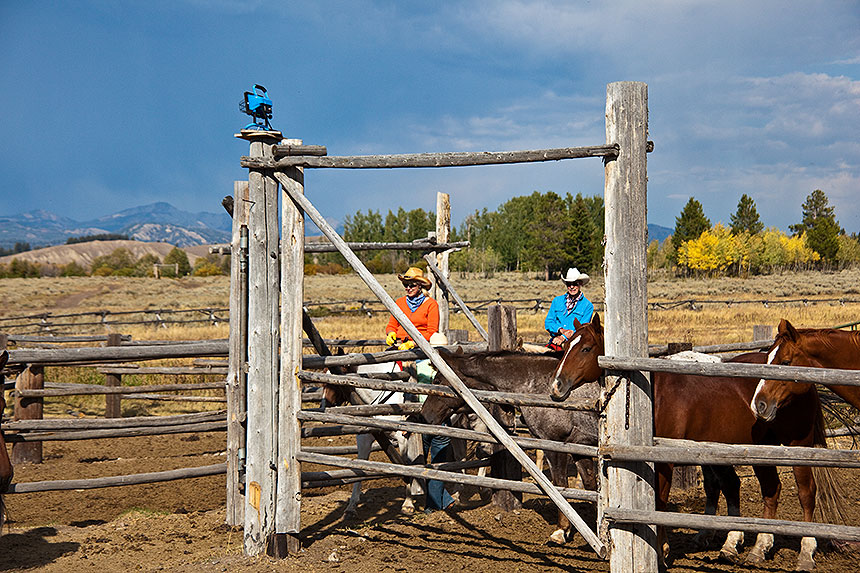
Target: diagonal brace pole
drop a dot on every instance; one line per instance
(440, 277)
(440, 364)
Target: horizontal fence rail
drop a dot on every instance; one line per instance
(510, 398)
(133, 479)
(419, 160)
(447, 476)
(735, 369)
(727, 523)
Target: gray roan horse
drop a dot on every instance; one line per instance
(526, 373)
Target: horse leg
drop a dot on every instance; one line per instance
(770, 489)
(730, 485)
(664, 486)
(586, 469)
(364, 443)
(711, 484)
(558, 470)
(806, 489)
(412, 452)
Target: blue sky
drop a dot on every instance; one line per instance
(110, 104)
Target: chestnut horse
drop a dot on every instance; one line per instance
(5, 464)
(821, 348)
(525, 373)
(715, 409)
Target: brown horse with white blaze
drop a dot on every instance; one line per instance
(716, 409)
(6, 471)
(815, 347)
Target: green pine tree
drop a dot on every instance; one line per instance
(746, 217)
(820, 225)
(690, 224)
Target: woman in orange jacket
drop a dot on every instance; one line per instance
(422, 310)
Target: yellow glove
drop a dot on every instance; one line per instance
(408, 345)
(391, 338)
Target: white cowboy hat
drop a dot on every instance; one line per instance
(574, 275)
(438, 339)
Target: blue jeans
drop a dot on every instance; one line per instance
(440, 451)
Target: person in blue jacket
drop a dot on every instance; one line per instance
(566, 307)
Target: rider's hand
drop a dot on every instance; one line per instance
(408, 345)
(391, 338)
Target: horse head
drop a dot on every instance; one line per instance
(578, 364)
(788, 349)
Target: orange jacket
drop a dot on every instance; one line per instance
(425, 318)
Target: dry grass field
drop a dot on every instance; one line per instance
(808, 299)
(179, 526)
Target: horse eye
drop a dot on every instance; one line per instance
(786, 362)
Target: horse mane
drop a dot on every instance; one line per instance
(824, 337)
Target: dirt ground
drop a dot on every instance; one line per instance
(179, 526)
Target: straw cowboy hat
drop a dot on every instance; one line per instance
(415, 274)
(574, 275)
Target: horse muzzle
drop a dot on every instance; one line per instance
(764, 409)
(560, 390)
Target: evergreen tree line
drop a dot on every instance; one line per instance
(747, 247)
(122, 263)
(541, 232)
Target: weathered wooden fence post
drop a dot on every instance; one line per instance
(238, 360)
(502, 329)
(33, 378)
(443, 233)
(762, 332)
(289, 492)
(627, 419)
(113, 402)
(263, 348)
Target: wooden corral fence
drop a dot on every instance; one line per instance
(271, 388)
(272, 470)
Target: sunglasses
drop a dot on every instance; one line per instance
(411, 285)
(577, 283)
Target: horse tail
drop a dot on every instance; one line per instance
(829, 496)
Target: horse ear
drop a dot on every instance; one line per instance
(786, 329)
(595, 320)
(576, 324)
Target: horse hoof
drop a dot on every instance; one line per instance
(730, 556)
(755, 556)
(805, 564)
(407, 510)
(557, 537)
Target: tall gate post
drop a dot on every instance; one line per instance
(628, 410)
(238, 357)
(263, 348)
(288, 518)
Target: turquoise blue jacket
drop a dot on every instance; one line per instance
(558, 317)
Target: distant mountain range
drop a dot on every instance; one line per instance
(657, 232)
(157, 222)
